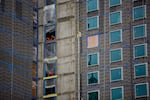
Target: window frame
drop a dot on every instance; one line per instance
(91, 10)
(121, 74)
(46, 66)
(145, 11)
(116, 60)
(52, 52)
(140, 45)
(146, 74)
(117, 88)
(88, 29)
(98, 78)
(147, 85)
(120, 36)
(145, 25)
(97, 59)
(115, 4)
(51, 86)
(120, 17)
(93, 91)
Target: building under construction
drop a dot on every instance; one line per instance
(57, 71)
(94, 49)
(74, 49)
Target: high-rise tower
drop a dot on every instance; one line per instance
(16, 49)
(57, 72)
(115, 49)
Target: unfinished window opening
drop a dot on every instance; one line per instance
(50, 69)
(49, 14)
(18, 9)
(49, 2)
(50, 50)
(50, 35)
(50, 87)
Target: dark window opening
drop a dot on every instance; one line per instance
(18, 9)
(50, 35)
(50, 90)
(88, 25)
(50, 87)
(49, 2)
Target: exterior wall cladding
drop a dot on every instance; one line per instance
(16, 35)
(128, 62)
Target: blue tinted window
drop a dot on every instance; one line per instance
(92, 23)
(140, 51)
(116, 74)
(114, 2)
(92, 5)
(139, 12)
(93, 59)
(115, 55)
(93, 78)
(116, 94)
(141, 90)
(93, 95)
(115, 36)
(140, 70)
(139, 31)
(115, 18)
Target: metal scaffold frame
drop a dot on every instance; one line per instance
(50, 57)
(35, 45)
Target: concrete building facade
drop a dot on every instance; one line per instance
(57, 45)
(94, 50)
(16, 49)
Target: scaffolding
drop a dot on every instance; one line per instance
(35, 53)
(50, 58)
